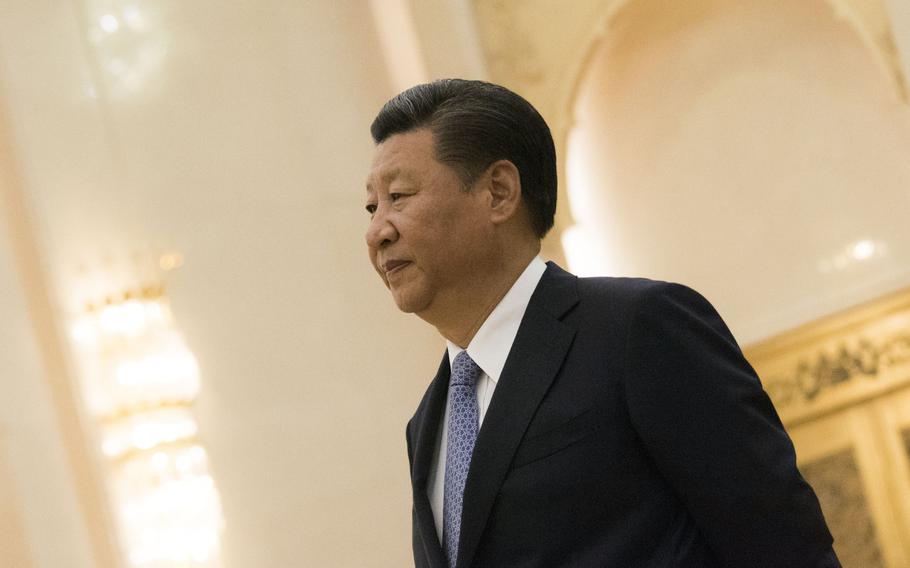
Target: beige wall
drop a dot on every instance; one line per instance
(242, 141)
(41, 493)
(13, 545)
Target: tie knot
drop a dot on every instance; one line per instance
(464, 370)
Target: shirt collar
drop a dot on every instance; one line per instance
(493, 341)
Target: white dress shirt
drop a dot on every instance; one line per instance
(489, 349)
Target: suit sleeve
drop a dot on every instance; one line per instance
(407, 439)
(700, 410)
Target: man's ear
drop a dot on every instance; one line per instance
(505, 190)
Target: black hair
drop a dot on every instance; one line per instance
(475, 123)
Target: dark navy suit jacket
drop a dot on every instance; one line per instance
(626, 430)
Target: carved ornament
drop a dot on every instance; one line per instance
(839, 361)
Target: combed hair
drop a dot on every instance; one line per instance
(474, 124)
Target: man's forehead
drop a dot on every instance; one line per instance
(401, 156)
(386, 176)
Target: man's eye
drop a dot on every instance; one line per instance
(371, 208)
(396, 196)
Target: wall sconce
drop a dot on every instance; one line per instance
(139, 382)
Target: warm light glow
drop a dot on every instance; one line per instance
(131, 44)
(580, 255)
(128, 318)
(109, 23)
(170, 261)
(137, 356)
(170, 510)
(147, 430)
(853, 255)
(140, 380)
(85, 332)
(585, 253)
(863, 249)
(179, 366)
(586, 246)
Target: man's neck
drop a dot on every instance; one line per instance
(467, 314)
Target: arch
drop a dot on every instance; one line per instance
(687, 144)
(868, 18)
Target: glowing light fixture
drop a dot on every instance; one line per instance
(140, 381)
(862, 250)
(109, 23)
(853, 255)
(131, 42)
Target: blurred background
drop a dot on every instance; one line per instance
(198, 365)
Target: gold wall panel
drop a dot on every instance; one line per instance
(842, 388)
(836, 480)
(839, 361)
(906, 436)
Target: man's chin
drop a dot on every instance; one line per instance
(406, 307)
(407, 303)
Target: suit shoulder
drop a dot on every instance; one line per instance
(633, 289)
(627, 297)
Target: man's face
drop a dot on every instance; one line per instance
(427, 235)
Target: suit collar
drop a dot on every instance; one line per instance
(557, 292)
(426, 431)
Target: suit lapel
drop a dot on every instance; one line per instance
(427, 422)
(533, 362)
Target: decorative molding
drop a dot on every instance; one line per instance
(510, 45)
(823, 371)
(869, 19)
(536, 45)
(838, 361)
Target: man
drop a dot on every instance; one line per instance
(573, 421)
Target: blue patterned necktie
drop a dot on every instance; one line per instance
(462, 432)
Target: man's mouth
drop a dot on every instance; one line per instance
(392, 266)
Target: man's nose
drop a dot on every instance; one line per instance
(381, 230)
